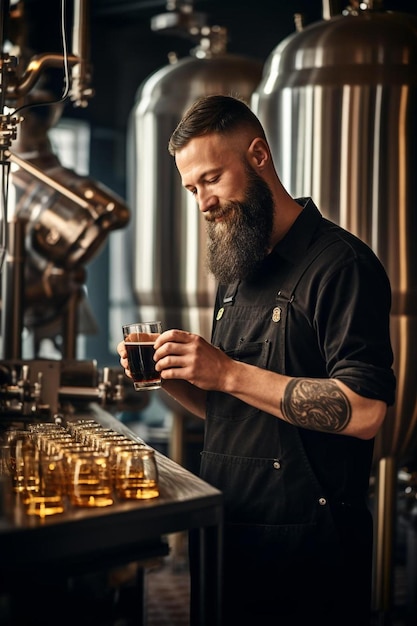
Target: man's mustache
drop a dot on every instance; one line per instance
(215, 214)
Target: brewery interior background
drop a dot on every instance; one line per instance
(125, 51)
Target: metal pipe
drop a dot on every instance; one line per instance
(40, 175)
(12, 291)
(4, 16)
(31, 76)
(80, 48)
(383, 556)
(332, 8)
(70, 327)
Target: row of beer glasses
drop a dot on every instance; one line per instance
(82, 464)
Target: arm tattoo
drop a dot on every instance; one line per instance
(316, 404)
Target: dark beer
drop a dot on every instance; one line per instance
(141, 364)
(139, 341)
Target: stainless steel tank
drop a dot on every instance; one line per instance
(339, 103)
(166, 240)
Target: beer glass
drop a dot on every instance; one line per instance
(44, 484)
(139, 340)
(90, 481)
(136, 474)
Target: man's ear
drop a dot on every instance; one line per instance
(258, 153)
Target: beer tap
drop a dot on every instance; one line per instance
(20, 396)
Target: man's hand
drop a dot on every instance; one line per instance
(186, 356)
(121, 349)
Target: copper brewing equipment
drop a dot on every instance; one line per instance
(338, 99)
(60, 220)
(67, 219)
(52, 223)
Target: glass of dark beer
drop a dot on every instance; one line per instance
(139, 340)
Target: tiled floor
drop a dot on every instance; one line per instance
(167, 595)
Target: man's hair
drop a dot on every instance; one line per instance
(214, 114)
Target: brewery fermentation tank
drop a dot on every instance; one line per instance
(338, 100)
(167, 236)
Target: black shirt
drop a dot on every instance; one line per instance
(339, 322)
(337, 327)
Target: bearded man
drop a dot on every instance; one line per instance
(293, 387)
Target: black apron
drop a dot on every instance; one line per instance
(283, 559)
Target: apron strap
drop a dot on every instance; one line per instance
(289, 285)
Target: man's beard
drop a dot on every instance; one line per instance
(237, 245)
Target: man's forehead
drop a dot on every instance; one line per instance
(203, 154)
(213, 147)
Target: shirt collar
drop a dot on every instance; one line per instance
(297, 240)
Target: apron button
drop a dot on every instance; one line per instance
(322, 501)
(277, 465)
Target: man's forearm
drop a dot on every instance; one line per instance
(316, 404)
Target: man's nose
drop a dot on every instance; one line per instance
(206, 201)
